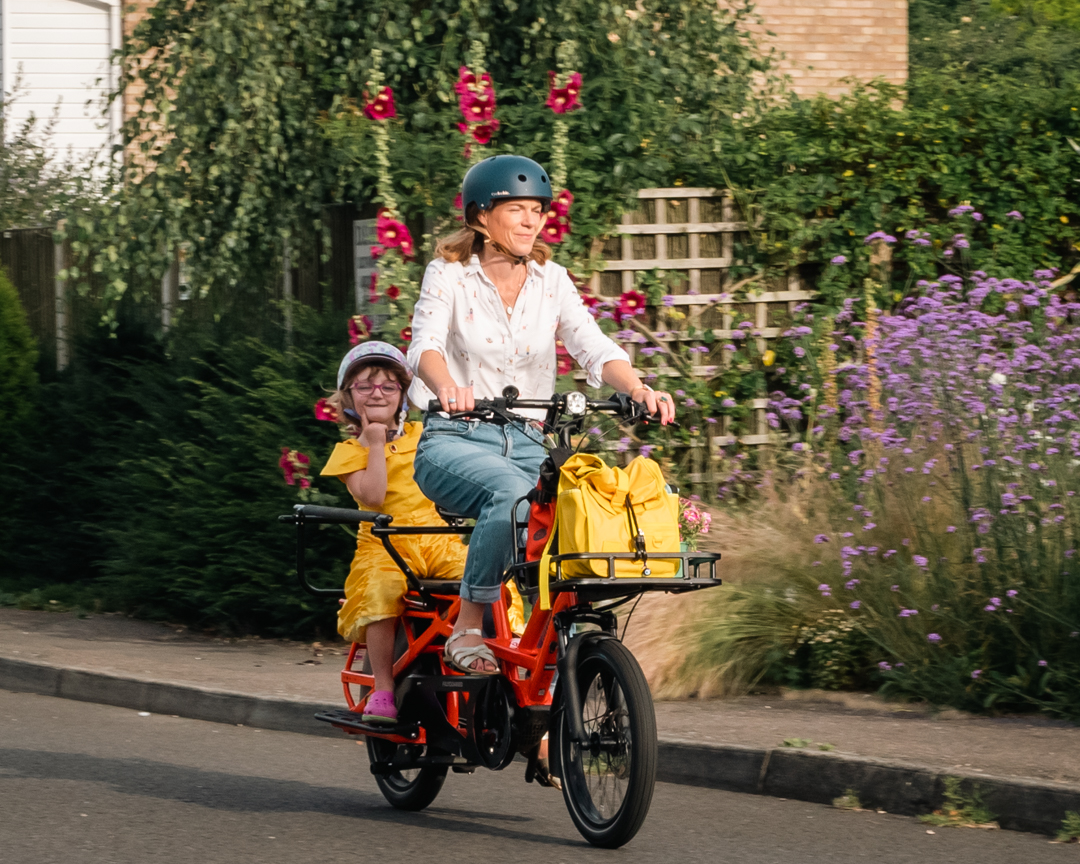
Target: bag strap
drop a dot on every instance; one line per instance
(545, 565)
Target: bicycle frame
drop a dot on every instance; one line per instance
(528, 669)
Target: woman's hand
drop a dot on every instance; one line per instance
(657, 401)
(456, 398)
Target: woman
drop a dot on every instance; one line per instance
(490, 310)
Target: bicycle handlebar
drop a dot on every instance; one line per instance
(557, 405)
(333, 516)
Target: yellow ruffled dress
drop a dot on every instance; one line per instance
(375, 587)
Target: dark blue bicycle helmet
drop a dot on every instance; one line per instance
(499, 178)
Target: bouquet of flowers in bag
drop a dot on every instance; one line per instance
(693, 521)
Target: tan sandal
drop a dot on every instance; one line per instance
(461, 658)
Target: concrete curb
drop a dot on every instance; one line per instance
(164, 697)
(804, 775)
(896, 787)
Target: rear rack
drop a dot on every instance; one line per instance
(601, 588)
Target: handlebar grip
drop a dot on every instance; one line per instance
(434, 405)
(337, 515)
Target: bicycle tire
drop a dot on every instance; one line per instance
(608, 783)
(419, 787)
(413, 792)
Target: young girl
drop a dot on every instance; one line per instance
(376, 464)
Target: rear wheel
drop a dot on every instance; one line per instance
(608, 778)
(411, 788)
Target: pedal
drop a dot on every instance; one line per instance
(350, 720)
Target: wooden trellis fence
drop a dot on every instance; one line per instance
(693, 231)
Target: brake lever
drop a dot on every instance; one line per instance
(636, 412)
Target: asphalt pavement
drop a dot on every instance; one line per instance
(82, 782)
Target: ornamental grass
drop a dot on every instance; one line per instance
(928, 513)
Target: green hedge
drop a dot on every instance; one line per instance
(822, 175)
(159, 490)
(18, 361)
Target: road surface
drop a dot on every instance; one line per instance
(81, 782)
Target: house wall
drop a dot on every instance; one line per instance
(827, 40)
(58, 51)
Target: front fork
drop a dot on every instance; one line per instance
(570, 646)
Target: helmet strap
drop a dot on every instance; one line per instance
(498, 247)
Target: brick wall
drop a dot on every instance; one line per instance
(827, 40)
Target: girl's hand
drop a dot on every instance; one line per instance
(373, 434)
(455, 399)
(657, 401)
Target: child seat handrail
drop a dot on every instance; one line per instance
(305, 514)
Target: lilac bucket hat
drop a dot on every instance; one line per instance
(371, 349)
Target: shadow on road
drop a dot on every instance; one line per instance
(218, 790)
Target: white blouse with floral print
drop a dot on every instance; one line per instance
(488, 346)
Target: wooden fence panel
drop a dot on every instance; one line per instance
(28, 255)
(693, 231)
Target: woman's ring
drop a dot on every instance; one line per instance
(452, 400)
(663, 398)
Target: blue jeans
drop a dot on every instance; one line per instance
(479, 470)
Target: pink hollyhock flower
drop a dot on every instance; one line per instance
(393, 292)
(481, 132)
(406, 334)
(294, 466)
(377, 252)
(564, 99)
(381, 107)
(407, 248)
(325, 411)
(477, 107)
(467, 84)
(458, 203)
(390, 233)
(562, 202)
(554, 229)
(359, 329)
(631, 303)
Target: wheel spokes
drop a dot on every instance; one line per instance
(604, 756)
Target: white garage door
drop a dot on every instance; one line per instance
(59, 50)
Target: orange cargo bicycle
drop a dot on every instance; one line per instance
(568, 676)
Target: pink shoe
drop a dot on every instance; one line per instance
(380, 708)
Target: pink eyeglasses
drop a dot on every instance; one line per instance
(388, 388)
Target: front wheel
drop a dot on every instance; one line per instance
(608, 778)
(410, 789)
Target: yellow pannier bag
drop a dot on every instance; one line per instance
(604, 509)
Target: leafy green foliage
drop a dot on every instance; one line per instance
(823, 175)
(161, 496)
(244, 134)
(200, 540)
(18, 358)
(35, 185)
(1062, 12)
(959, 809)
(848, 801)
(1070, 828)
